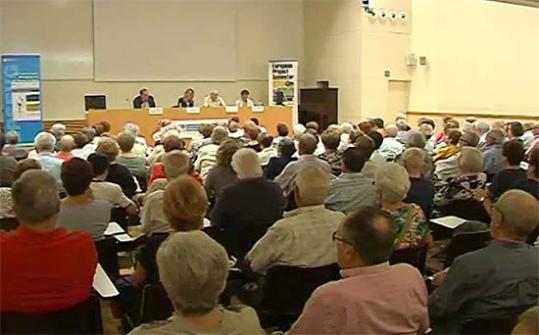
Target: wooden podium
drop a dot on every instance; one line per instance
(269, 117)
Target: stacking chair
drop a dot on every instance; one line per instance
(464, 242)
(155, 304)
(494, 326)
(413, 256)
(108, 257)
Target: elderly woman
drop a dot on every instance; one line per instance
(251, 132)
(417, 139)
(6, 201)
(66, 145)
(393, 185)
(193, 269)
(331, 141)
(131, 160)
(207, 155)
(184, 205)
(80, 211)
(117, 174)
(451, 147)
(285, 153)
(222, 174)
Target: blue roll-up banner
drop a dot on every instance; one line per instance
(21, 95)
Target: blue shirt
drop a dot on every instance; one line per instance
(52, 166)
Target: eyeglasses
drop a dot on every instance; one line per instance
(334, 237)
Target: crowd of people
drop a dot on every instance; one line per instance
(305, 197)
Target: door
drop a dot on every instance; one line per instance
(398, 99)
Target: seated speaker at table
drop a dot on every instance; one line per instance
(187, 100)
(244, 100)
(214, 100)
(144, 99)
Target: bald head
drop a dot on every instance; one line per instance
(519, 215)
(307, 144)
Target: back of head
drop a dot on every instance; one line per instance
(427, 130)
(265, 140)
(185, 204)
(129, 127)
(519, 214)
(331, 139)
(299, 129)
(58, 130)
(286, 147)
(454, 136)
(426, 121)
(218, 135)
(469, 138)
(76, 176)
(205, 130)
(99, 162)
(176, 163)
(371, 232)
(513, 151)
(12, 137)
(482, 126)
(378, 122)
(80, 140)
(312, 184)
(173, 143)
(67, 143)
(313, 125)
(109, 148)
(282, 129)
(451, 124)
(392, 181)
(35, 197)
(89, 133)
(515, 129)
(366, 126)
(470, 160)
(416, 140)
(402, 125)
(534, 162)
(377, 138)
(193, 269)
(307, 144)
(252, 131)
(225, 152)
(496, 136)
(391, 130)
(126, 141)
(413, 159)
(25, 165)
(246, 163)
(365, 144)
(346, 127)
(106, 126)
(353, 160)
(44, 142)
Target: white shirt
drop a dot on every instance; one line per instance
(152, 216)
(207, 158)
(266, 154)
(110, 192)
(248, 103)
(208, 102)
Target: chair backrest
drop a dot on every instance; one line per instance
(108, 257)
(497, 326)
(466, 209)
(413, 256)
(533, 236)
(8, 224)
(83, 318)
(465, 242)
(155, 304)
(287, 289)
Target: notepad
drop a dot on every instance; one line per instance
(102, 283)
(450, 222)
(113, 229)
(123, 238)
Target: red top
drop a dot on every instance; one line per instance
(45, 272)
(158, 172)
(64, 156)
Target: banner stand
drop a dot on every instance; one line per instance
(283, 85)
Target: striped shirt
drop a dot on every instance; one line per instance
(351, 191)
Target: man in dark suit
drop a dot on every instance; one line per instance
(143, 100)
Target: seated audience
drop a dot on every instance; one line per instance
(376, 157)
(421, 188)
(331, 140)
(285, 153)
(80, 211)
(268, 151)
(252, 132)
(81, 150)
(499, 280)
(528, 322)
(222, 174)
(449, 167)
(530, 185)
(492, 152)
(168, 133)
(214, 100)
(248, 207)
(352, 189)
(65, 146)
(482, 128)
(451, 147)
(373, 297)
(391, 147)
(157, 171)
(46, 268)
(282, 133)
(8, 165)
(6, 200)
(45, 143)
(307, 146)
(366, 146)
(416, 139)
(514, 130)
(303, 237)
(448, 124)
(194, 269)
(205, 131)
(104, 190)
(234, 130)
(207, 155)
(403, 129)
(470, 179)
(512, 156)
(12, 148)
(117, 174)
(57, 130)
(152, 216)
(393, 185)
(428, 131)
(135, 163)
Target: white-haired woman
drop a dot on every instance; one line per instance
(393, 185)
(193, 269)
(207, 155)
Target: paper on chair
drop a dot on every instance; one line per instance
(102, 283)
(123, 238)
(113, 229)
(207, 223)
(450, 222)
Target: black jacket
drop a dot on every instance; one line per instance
(137, 102)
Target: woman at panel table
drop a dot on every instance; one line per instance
(244, 100)
(187, 100)
(214, 100)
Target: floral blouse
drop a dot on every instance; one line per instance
(415, 230)
(6, 203)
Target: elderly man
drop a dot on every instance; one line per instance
(374, 297)
(307, 147)
(193, 269)
(492, 152)
(447, 168)
(247, 208)
(214, 100)
(421, 188)
(352, 189)
(303, 237)
(58, 130)
(44, 143)
(47, 269)
(391, 147)
(8, 165)
(152, 217)
(66, 145)
(482, 129)
(499, 280)
(11, 148)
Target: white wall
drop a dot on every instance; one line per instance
(62, 31)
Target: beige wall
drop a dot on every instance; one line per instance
(62, 31)
(483, 57)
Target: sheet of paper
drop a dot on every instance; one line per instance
(123, 238)
(450, 222)
(207, 223)
(102, 283)
(113, 229)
